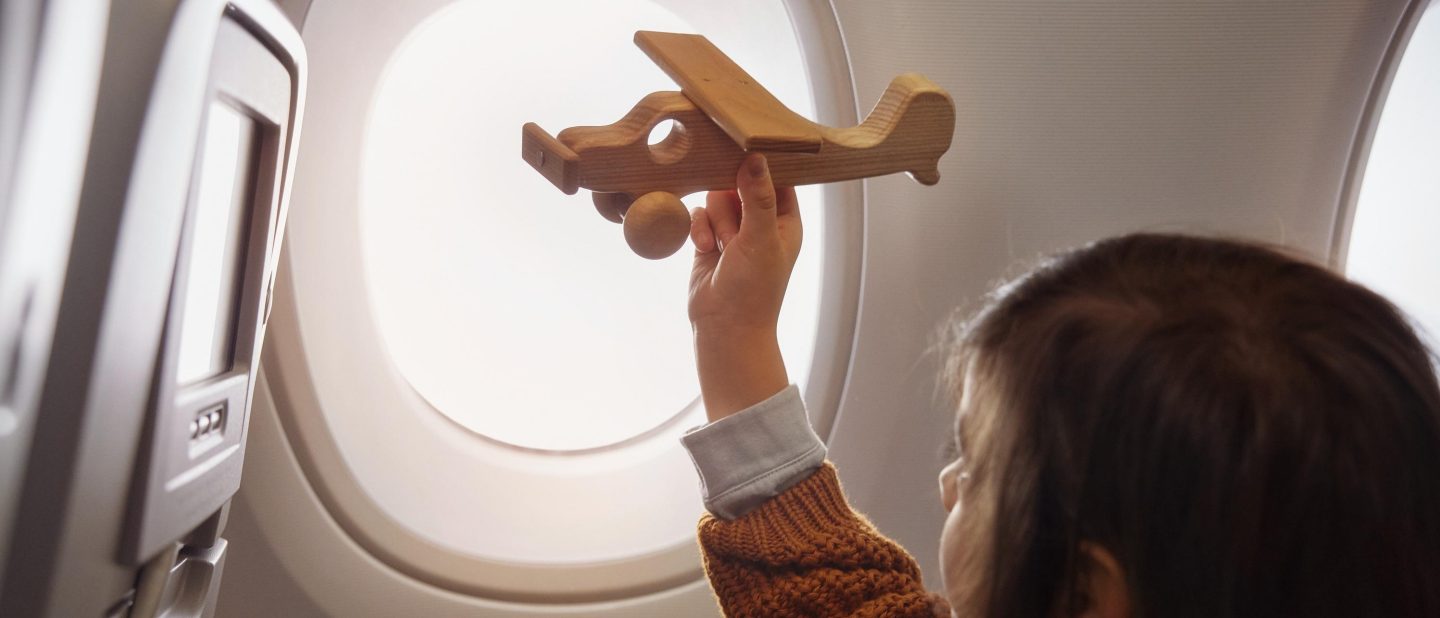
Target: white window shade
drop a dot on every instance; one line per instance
(512, 308)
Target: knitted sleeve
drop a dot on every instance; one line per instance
(806, 553)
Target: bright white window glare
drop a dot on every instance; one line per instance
(514, 309)
(1395, 238)
(207, 321)
(660, 131)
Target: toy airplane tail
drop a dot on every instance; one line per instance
(915, 119)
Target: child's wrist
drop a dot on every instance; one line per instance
(738, 369)
(734, 325)
(729, 332)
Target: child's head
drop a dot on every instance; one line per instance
(1196, 427)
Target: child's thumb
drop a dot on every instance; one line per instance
(757, 197)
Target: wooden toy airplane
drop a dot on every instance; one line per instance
(720, 115)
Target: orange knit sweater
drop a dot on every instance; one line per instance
(807, 553)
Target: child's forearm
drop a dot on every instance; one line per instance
(737, 368)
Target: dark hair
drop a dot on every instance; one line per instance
(1248, 434)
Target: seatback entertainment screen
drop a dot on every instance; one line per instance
(217, 245)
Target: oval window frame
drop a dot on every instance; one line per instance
(1366, 131)
(300, 360)
(1368, 212)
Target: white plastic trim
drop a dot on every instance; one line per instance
(294, 559)
(357, 429)
(1365, 131)
(1392, 225)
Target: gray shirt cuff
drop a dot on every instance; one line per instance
(755, 454)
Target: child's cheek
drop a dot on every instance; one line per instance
(951, 554)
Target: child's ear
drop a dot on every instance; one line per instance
(1101, 585)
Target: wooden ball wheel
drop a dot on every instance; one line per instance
(656, 225)
(612, 206)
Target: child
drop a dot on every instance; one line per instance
(1148, 426)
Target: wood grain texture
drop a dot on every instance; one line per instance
(744, 109)
(721, 114)
(552, 159)
(908, 131)
(656, 225)
(612, 206)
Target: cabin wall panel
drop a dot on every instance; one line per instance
(1078, 121)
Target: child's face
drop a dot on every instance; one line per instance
(953, 478)
(950, 546)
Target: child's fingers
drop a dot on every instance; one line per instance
(786, 204)
(700, 232)
(723, 208)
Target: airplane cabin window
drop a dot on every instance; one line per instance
(1395, 236)
(510, 307)
(453, 335)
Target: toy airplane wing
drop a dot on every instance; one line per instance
(744, 109)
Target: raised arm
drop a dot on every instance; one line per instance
(781, 540)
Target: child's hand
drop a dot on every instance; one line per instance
(746, 243)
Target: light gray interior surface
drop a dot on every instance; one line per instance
(49, 63)
(1076, 121)
(63, 549)
(19, 31)
(64, 556)
(182, 481)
